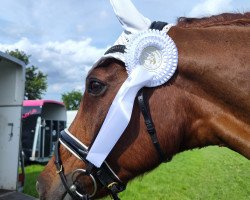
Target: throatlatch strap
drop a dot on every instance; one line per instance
(149, 124)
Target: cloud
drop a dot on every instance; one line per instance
(66, 63)
(47, 20)
(66, 38)
(211, 7)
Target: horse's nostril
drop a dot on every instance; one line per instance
(37, 186)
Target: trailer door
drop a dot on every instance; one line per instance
(11, 97)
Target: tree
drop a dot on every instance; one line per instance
(72, 99)
(20, 55)
(36, 81)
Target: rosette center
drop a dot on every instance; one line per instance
(151, 58)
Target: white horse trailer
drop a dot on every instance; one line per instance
(71, 114)
(12, 79)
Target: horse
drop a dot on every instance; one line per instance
(206, 102)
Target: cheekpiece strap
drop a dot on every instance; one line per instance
(143, 104)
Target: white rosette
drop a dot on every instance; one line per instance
(155, 52)
(151, 60)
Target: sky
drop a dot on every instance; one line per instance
(66, 37)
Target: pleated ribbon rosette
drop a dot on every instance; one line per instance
(151, 59)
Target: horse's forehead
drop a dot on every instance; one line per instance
(106, 67)
(104, 59)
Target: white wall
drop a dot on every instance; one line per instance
(11, 98)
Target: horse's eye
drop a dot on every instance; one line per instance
(96, 87)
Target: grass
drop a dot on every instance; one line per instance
(31, 172)
(208, 174)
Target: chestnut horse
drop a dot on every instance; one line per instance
(207, 102)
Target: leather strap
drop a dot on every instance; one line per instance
(104, 174)
(116, 48)
(143, 104)
(60, 171)
(158, 25)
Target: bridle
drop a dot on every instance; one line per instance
(104, 175)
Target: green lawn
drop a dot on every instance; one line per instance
(32, 172)
(207, 174)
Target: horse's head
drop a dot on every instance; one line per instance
(90, 160)
(134, 153)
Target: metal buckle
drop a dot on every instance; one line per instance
(111, 185)
(58, 171)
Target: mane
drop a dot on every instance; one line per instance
(224, 19)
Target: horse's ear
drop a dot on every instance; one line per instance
(130, 18)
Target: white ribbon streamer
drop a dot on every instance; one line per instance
(151, 60)
(118, 116)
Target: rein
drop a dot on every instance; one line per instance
(103, 175)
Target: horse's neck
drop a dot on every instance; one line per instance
(215, 62)
(213, 71)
